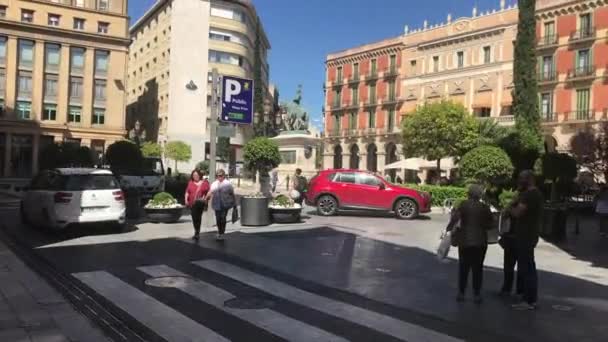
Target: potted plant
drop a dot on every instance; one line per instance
(283, 209)
(164, 208)
(254, 210)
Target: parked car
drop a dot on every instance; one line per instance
(333, 190)
(58, 198)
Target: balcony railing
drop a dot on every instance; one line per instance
(547, 41)
(334, 133)
(391, 99)
(391, 71)
(372, 75)
(549, 117)
(353, 105)
(338, 82)
(547, 76)
(581, 115)
(582, 35)
(582, 72)
(337, 105)
(371, 102)
(353, 132)
(354, 78)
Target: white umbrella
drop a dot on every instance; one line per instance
(418, 163)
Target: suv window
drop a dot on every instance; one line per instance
(367, 179)
(89, 182)
(41, 181)
(345, 178)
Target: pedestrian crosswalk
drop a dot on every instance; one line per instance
(172, 325)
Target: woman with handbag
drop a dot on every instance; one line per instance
(222, 200)
(194, 198)
(471, 237)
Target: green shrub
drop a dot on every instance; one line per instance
(440, 193)
(486, 165)
(176, 186)
(124, 156)
(506, 197)
(162, 199)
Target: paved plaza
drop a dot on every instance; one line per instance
(354, 277)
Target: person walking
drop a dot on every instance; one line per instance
(194, 198)
(527, 212)
(222, 199)
(274, 179)
(601, 210)
(300, 183)
(471, 236)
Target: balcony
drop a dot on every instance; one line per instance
(581, 73)
(391, 100)
(391, 72)
(338, 82)
(547, 42)
(371, 102)
(334, 133)
(547, 77)
(580, 115)
(549, 118)
(354, 79)
(353, 132)
(372, 76)
(581, 36)
(352, 105)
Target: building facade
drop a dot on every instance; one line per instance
(62, 77)
(174, 48)
(470, 60)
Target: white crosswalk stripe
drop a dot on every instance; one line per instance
(272, 321)
(373, 320)
(165, 321)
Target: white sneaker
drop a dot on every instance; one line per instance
(219, 237)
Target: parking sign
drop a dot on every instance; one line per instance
(237, 100)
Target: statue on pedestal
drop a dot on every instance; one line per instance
(293, 115)
(137, 134)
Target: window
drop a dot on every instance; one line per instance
(391, 119)
(24, 84)
(487, 54)
(49, 112)
(583, 60)
(78, 24)
(337, 123)
(585, 25)
(24, 109)
(27, 16)
(288, 157)
(50, 87)
(103, 27)
(227, 13)
(371, 119)
(413, 67)
(338, 98)
(52, 57)
(77, 60)
(101, 62)
(435, 63)
(103, 5)
(100, 91)
(2, 11)
(367, 179)
(372, 93)
(356, 71)
(345, 178)
(392, 94)
(546, 106)
(2, 83)
(460, 59)
(26, 53)
(75, 89)
(227, 58)
(355, 91)
(549, 36)
(339, 74)
(228, 36)
(74, 114)
(352, 121)
(2, 50)
(484, 112)
(582, 104)
(54, 19)
(392, 62)
(99, 116)
(547, 68)
(374, 66)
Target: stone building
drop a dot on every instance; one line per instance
(175, 45)
(62, 77)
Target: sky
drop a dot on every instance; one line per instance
(303, 32)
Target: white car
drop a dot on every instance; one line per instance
(58, 198)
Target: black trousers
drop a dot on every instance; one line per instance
(197, 215)
(220, 219)
(471, 259)
(509, 262)
(526, 265)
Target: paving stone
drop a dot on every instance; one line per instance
(14, 335)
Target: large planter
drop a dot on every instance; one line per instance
(254, 211)
(164, 215)
(285, 215)
(554, 223)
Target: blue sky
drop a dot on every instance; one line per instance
(303, 32)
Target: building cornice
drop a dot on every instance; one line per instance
(364, 55)
(568, 8)
(462, 37)
(83, 9)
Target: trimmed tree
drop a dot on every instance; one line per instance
(178, 151)
(261, 155)
(258, 90)
(65, 155)
(151, 149)
(590, 149)
(488, 165)
(203, 166)
(525, 93)
(124, 156)
(559, 168)
(223, 148)
(439, 130)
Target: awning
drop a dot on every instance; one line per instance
(417, 164)
(482, 100)
(507, 99)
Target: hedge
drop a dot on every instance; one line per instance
(440, 193)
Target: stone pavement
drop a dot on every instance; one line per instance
(32, 311)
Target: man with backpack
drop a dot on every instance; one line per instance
(300, 184)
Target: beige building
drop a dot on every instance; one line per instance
(175, 45)
(62, 77)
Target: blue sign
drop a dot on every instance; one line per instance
(237, 100)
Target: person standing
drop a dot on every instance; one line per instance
(527, 212)
(275, 179)
(601, 210)
(471, 237)
(300, 184)
(222, 199)
(507, 242)
(194, 198)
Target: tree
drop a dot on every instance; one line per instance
(223, 148)
(517, 145)
(261, 154)
(490, 132)
(124, 156)
(438, 130)
(525, 93)
(590, 149)
(151, 149)
(65, 155)
(258, 90)
(488, 165)
(203, 166)
(559, 168)
(178, 151)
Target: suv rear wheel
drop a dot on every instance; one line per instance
(406, 209)
(327, 205)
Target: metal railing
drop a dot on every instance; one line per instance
(584, 34)
(549, 117)
(354, 78)
(372, 75)
(371, 102)
(581, 72)
(338, 82)
(547, 76)
(546, 41)
(581, 115)
(391, 71)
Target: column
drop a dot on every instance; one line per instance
(345, 159)
(87, 86)
(328, 161)
(63, 92)
(7, 154)
(362, 157)
(11, 74)
(37, 81)
(500, 88)
(35, 152)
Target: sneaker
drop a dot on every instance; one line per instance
(460, 297)
(524, 306)
(195, 237)
(477, 299)
(219, 237)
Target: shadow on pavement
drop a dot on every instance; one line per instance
(364, 213)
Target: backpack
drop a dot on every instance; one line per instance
(302, 184)
(227, 198)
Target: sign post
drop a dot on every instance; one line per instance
(237, 100)
(215, 100)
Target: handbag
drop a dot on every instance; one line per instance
(444, 245)
(235, 214)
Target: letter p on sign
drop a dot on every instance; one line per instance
(233, 87)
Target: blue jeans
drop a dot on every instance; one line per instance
(526, 265)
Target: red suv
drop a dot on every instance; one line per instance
(333, 190)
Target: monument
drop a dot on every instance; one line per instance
(297, 145)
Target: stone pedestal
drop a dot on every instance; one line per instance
(298, 150)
